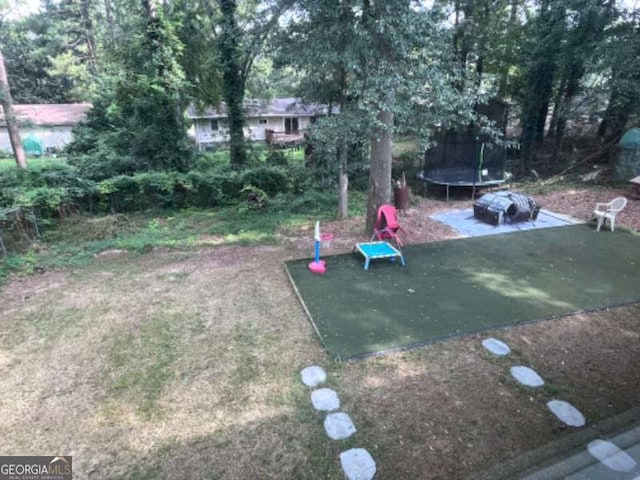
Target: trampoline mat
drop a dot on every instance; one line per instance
(462, 176)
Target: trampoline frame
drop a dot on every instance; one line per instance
(444, 166)
(459, 183)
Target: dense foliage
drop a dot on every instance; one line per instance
(59, 190)
(389, 68)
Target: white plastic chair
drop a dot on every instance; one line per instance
(608, 211)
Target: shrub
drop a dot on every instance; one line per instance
(19, 229)
(209, 189)
(126, 193)
(100, 166)
(140, 192)
(313, 202)
(217, 161)
(271, 180)
(277, 158)
(51, 190)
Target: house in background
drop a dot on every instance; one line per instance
(280, 120)
(50, 124)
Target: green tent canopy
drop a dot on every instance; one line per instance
(631, 139)
(627, 163)
(32, 146)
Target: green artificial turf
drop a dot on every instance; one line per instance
(459, 287)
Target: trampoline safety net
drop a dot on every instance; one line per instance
(464, 160)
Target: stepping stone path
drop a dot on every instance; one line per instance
(325, 399)
(339, 426)
(358, 464)
(496, 347)
(527, 376)
(567, 413)
(313, 376)
(611, 456)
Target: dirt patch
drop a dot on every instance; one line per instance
(178, 364)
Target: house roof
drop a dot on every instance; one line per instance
(276, 107)
(49, 114)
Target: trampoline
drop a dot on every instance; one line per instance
(463, 160)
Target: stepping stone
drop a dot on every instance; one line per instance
(567, 413)
(611, 456)
(325, 399)
(496, 347)
(358, 464)
(339, 426)
(527, 376)
(313, 376)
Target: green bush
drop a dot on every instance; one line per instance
(313, 202)
(19, 229)
(217, 161)
(209, 189)
(277, 158)
(271, 180)
(50, 191)
(100, 166)
(127, 193)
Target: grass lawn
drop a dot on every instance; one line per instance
(464, 286)
(181, 360)
(34, 162)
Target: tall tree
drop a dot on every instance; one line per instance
(225, 38)
(44, 68)
(381, 29)
(585, 32)
(389, 64)
(233, 80)
(409, 80)
(10, 117)
(622, 60)
(542, 60)
(323, 45)
(137, 111)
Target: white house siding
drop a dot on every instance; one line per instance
(52, 137)
(257, 129)
(205, 135)
(254, 129)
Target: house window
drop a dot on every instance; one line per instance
(262, 121)
(213, 123)
(290, 125)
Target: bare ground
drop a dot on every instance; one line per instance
(185, 365)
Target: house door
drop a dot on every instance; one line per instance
(290, 125)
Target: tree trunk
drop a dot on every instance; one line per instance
(343, 154)
(150, 8)
(616, 117)
(85, 9)
(232, 80)
(558, 106)
(108, 11)
(10, 117)
(343, 185)
(622, 104)
(380, 170)
(539, 79)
